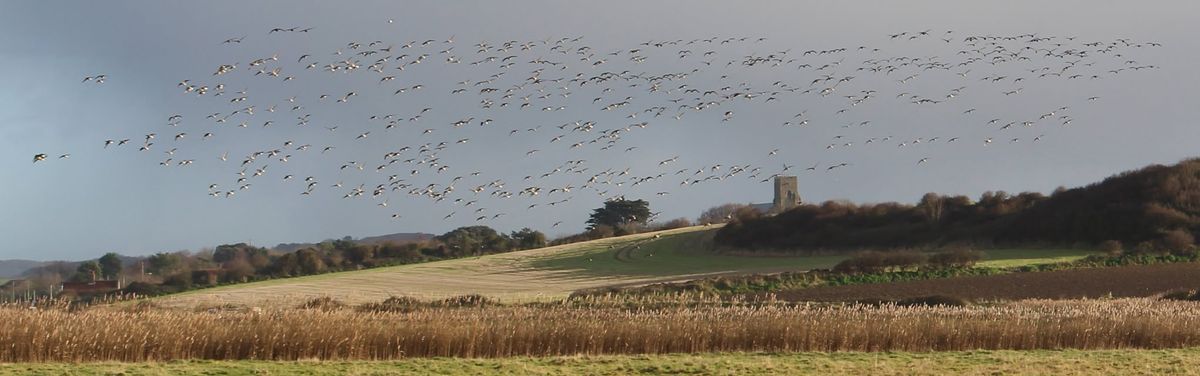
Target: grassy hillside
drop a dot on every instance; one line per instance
(546, 273)
(1036, 362)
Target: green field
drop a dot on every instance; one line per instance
(691, 253)
(1006, 258)
(1043, 362)
(552, 272)
(686, 253)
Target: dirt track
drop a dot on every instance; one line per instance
(1129, 281)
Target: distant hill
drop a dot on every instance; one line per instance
(14, 268)
(402, 237)
(399, 238)
(1133, 207)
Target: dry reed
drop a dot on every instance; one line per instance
(594, 326)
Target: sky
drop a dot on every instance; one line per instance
(119, 199)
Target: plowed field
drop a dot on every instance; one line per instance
(1128, 281)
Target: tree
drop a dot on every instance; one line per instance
(226, 253)
(932, 205)
(87, 271)
(164, 263)
(287, 264)
(620, 212)
(360, 254)
(310, 261)
(110, 265)
(404, 253)
(528, 239)
(238, 270)
(260, 260)
(719, 214)
(473, 240)
(48, 276)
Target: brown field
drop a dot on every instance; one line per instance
(1125, 281)
(590, 327)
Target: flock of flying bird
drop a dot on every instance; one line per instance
(564, 97)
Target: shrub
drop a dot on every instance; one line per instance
(955, 258)
(720, 214)
(904, 259)
(1184, 295)
(472, 300)
(323, 303)
(1178, 241)
(746, 213)
(1112, 247)
(862, 262)
(1144, 248)
(674, 224)
(181, 280)
(601, 232)
(875, 262)
(393, 304)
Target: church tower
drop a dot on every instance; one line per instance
(787, 193)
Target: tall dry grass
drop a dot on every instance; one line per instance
(595, 326)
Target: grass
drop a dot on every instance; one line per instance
(688, 253)
(1008, 258)
(691, 253)
(550, 273)
(1046, 362)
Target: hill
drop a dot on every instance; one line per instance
(398, 238)
(402, 237)
(543, 274)
(14, 268)
(1156, 208)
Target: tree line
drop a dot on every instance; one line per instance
(166, 272)
(1153, 209)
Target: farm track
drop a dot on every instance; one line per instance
(1126, 281)
(625, 253)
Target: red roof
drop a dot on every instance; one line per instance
(91, 287)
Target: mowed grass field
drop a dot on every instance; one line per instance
(547, 273)
(1028, 362)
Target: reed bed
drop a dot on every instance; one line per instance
(593, 327)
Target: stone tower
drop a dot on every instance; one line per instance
(787, 195)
